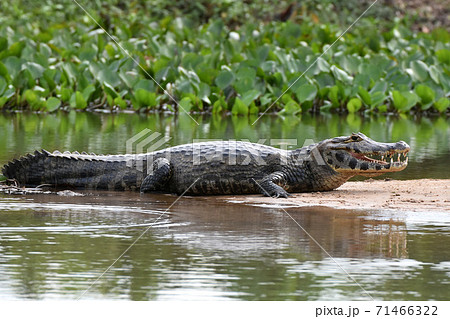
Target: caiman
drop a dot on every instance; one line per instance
(213, 168)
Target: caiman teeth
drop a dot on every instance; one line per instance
(368, 159)
(394, 158)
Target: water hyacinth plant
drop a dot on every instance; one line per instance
(52, 58)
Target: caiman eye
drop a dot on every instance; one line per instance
(354, 138)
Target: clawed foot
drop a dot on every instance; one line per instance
(277, 193)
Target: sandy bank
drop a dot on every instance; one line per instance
(416, 195)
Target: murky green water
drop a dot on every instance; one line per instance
(205, 248)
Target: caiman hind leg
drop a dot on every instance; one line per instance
(158, 177)
(270, 185)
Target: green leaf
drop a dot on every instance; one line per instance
(371, 70)
(399, 100)
(426, 95)
(219, 105)
(48, 78)
(382, 108)
(245, 72)
(3, 44)
(130, 78)
(253, 109)
(80, 102)
(197, 103)
(341, 75)
(362, 80)
(108, 76)
(265, 99)
(306, 92)
(216, 28)
(354, 105)
(239, 107)
(145, 98)
(35, 69)
(45, 50)
(204, 91)
(66, 94)
(442, 104)
(13, 66)
(16, 48)
(52, 104)
(365, 96)
(435, 74)
(3, 101)
(23, 80)
(109, 89)
(291, 108)
(420, 70)
(404, 101)
(380, 86)
(224, 79)
(109, 100)
(244, 84)
(186, 104)
(333, 95)
(443, 55)
(120, 103)
(249, 96)
(324, 80)
(4, 71)
(30, 97)
(262, 53)
(412, 99)
(145, 84)
(87, 92)
(323, 65)
(377, 99)
(350, 63)
(69, 73)
(110, 50)
(3, 85)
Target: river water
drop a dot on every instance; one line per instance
(211, 248)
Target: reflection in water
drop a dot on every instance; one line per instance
(20, 133)
(389, 239)
(206, 248)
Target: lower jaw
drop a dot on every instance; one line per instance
(371, 173)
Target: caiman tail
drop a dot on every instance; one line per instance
(73, 170)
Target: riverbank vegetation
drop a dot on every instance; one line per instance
(220, 56)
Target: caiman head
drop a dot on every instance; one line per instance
(359, 155)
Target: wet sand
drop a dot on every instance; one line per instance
(406, 195)
(415, 195)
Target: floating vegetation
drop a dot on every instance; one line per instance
(53, 58)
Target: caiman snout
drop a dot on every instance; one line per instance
(398, 147)
(359, 155)
(402, 145)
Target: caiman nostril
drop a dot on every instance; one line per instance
(403, 144)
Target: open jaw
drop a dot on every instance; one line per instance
(389, 161)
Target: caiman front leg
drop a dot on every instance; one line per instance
(158, 177)
(270, 185)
